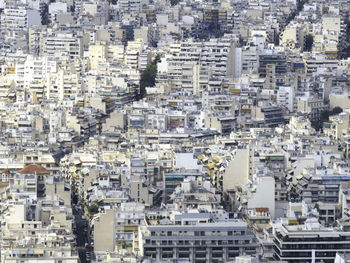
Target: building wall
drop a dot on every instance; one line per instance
(212, 123)
(104, 232)
(264, 195)
(97, 53)
(290, 35)
(331, 23)
(237, 171)
(140, 193)
(342, 101)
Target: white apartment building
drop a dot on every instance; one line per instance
(36, 68)
(14, 18)
(129, 6)
(62, 85)
(61, 45)
(285, 97)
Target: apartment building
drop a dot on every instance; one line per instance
(313, 107)
(278, 60)
(215, 18)
(130, 6)
(61, 44)
(309, 242)
(195, 238)
(25, 241)
(14, 18)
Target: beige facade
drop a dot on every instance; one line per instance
(237, 171)
(116, 120)
(104, 232)
(97, 53)
(139, 192)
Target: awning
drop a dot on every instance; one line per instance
(130, 228)
(211, 165)
(216, 158)
(38, 251)
(200, 157)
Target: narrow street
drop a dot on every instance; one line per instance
(81, 231)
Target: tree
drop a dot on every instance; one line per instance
(317, 125)
(336, 110)
(148, 76)
(317, 207)
(325, 116)
(93, 209)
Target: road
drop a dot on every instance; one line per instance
(81, 232)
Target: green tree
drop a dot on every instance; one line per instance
(325, 115)
(148, 76)
(93, 209)
(317, 207)
(317, 125)
(336, 110)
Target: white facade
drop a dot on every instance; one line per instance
(285, 97)
(264, 195)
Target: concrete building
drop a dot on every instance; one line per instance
(194, 238)
(104, 232)
(310, 242)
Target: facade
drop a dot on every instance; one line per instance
(278, 60)
(309, 242)
(61, 45)
(273, 116)
(194, 238)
